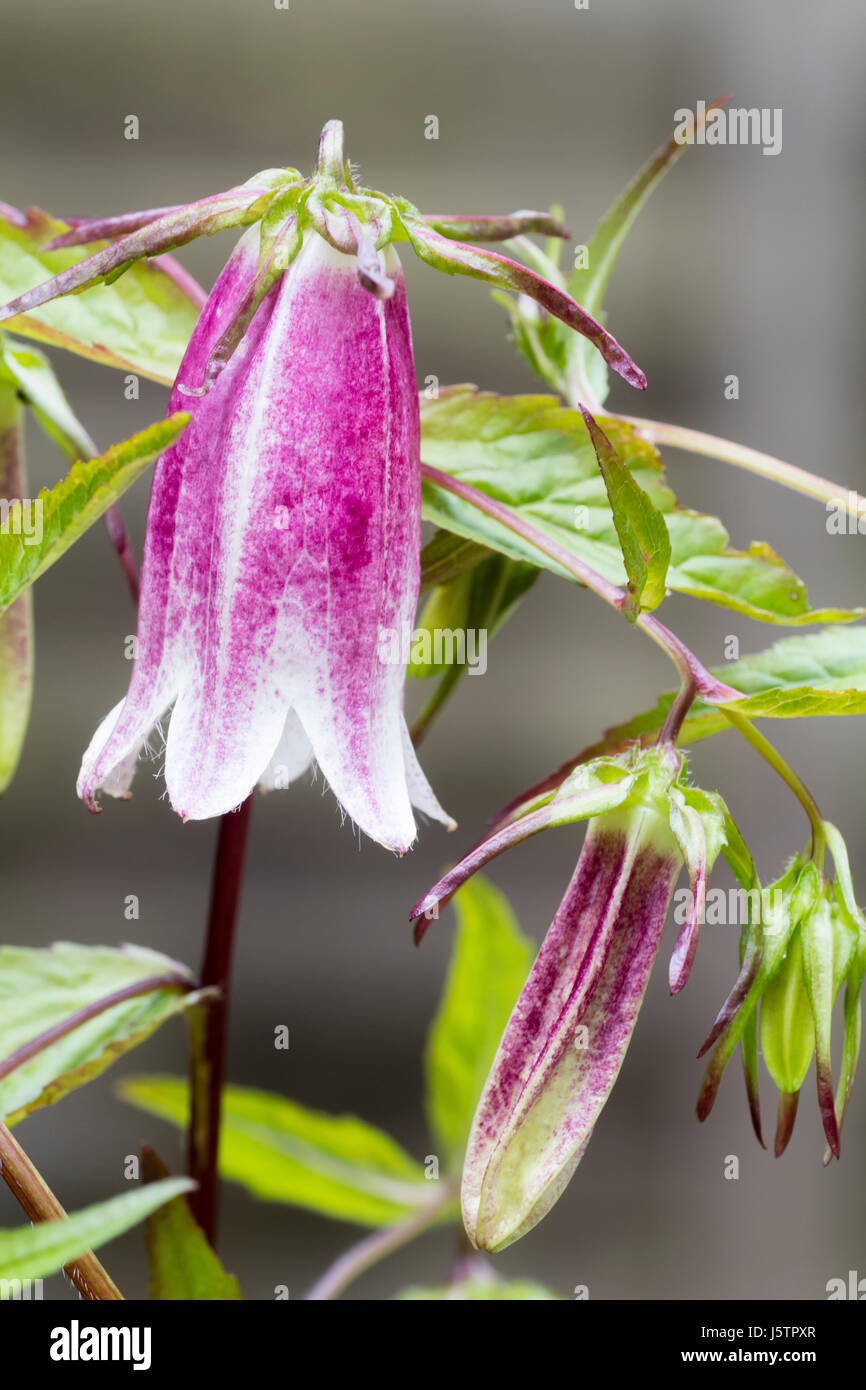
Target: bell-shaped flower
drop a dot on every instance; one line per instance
(805, 936)
(565, 1042)
(283, 536)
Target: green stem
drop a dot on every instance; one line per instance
(771, 755)
(764, 465)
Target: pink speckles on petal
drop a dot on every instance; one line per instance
(568, 1034)
(283, 537)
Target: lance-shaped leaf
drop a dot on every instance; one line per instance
(490, 960)
(643, 535)
(32, 375)
(588, 281)
(68, 1012)
(458, 258)
(459, 618)
(282, 1152)
(33, 1252)
(16, 623)
(141, 324)
(535, 456)
(39, 535)
(183, 1267)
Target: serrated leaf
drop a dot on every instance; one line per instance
(183, 1267)
(65, 512)
(643, 536)
(480, 1290)
(16, 623)
(490, 961)
(33, 1252)
(141, 323)
(774, 686)
(334, 1164)
(535, 456)
(58, 1025)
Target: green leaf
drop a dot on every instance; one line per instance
(16, 623)
(66, 511)
(29, 371)
(489, 964)
(818, 674)
(68, 1012)
(141, 323)
(33, 1252)
(481, 1290)
(183, 1267)
(445, 556)
(587, 373)
(643, 535)
(333, 1164)
(535, 456)
(458, 619)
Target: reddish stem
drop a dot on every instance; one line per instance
(209, 1049)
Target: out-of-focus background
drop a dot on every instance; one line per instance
(742, 263)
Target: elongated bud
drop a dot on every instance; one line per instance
(568, 1034)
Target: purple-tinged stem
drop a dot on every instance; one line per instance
(687, 664)
(75, 1020)
(367, 1252)
(35, 1197)
(670, 730)
(119, 537)
(209, 1050)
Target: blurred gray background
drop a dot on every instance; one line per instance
(741, 263)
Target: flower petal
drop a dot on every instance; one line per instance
(568, 1034)
(164, 605)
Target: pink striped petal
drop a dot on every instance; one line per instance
(283, 538)
(566, 1039)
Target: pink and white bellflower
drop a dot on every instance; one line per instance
(283, 534)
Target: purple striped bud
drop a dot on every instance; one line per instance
(568, 1034)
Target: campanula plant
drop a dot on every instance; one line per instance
(283, 564)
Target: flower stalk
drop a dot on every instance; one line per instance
(210, 1033)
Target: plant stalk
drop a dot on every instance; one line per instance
(209, 1040)
(764, 465)
(369, 1251)
(772, 755)
(33, 1194)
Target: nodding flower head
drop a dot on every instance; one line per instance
(567, 1037)
(283, 534)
